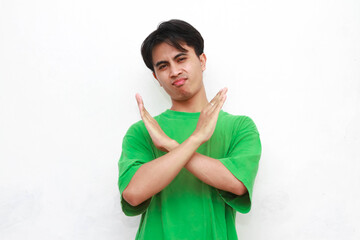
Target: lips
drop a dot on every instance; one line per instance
(179, 82)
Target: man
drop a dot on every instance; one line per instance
(189, 169)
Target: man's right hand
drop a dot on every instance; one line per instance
(208, 117)
(159, 138)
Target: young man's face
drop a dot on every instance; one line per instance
(179, 73)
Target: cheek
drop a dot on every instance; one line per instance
(162, 77)
(196, 70)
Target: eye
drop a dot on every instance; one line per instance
(162, 66)
(181, 59)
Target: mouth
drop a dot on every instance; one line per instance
(179, 82)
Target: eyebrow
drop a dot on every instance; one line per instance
(177, 56)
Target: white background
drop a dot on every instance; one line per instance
(69, 71)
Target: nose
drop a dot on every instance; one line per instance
(175, 70)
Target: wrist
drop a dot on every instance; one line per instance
(172, 144)
(195, 139)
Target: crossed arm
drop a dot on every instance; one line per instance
(155, 175)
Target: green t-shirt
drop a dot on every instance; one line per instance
(188, 208)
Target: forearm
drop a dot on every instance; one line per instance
(212, 172)
(155, 175)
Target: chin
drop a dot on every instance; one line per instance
(183, 96)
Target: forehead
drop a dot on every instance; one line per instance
(164, 51)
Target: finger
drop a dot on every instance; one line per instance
(216, 100)
(213, 101)
(145, 115)
(139, 99)
(140, 103)
(225, 90)
(216, 97)
(219, 102)
(219, 95)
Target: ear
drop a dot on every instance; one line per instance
(203, 61)
(156, 78)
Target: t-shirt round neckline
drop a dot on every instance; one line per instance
(187, 115)
(176, 114)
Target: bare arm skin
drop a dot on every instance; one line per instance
(212, 172)
(209, 170)
(155, 175)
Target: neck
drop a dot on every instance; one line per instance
(194, 104)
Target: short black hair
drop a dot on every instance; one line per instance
(173, 32)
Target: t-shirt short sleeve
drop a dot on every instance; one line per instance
(136, 150)
(242, 161)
